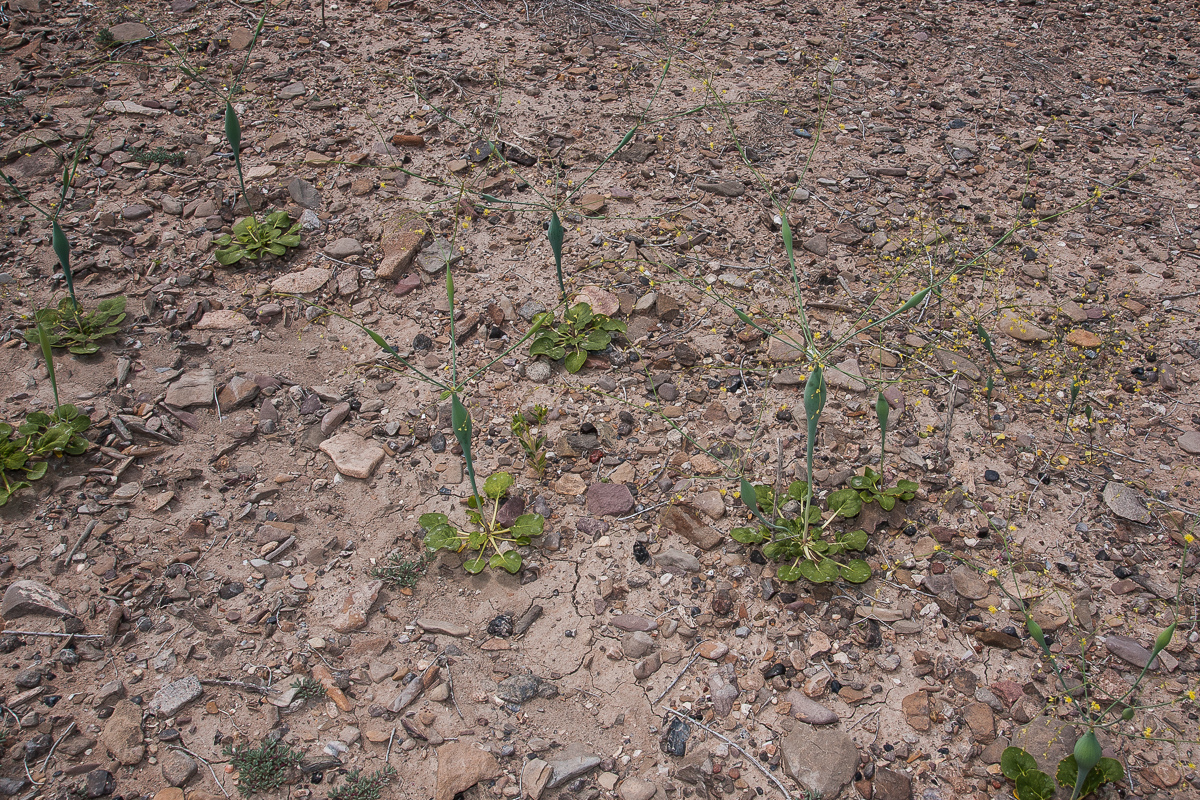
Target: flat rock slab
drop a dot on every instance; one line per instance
(1047, 739)
(1022, 330)
(956, 362)
(633, 622)
(1189, 442)
(352, 616)
(808, 710)
(130, 107)
(1129, 650)
(968, 583)
(223, 320)
(129, 32)
(677, 561)
(461, 765)
(684, 523)
(821, 761)
(1126, 502)
(430, 625)
(30, 597)
(169, 700)
(599, 300)
(304, 193)
(305, 281)
(723, 188)
(609, 499)
(122, 734)
(846, 375)
(344, 248)
(567, 768)
(352, 455)
(786, 346)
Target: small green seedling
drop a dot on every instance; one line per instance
(308, 688)
(398, 571)
(68, 326)
(363, 787)
(156, 155)
(580, 332)
(869, 487)
(262, 768)
(25, 450)
(797, 540)
(251, 239)
(486, 536)
(533, 444)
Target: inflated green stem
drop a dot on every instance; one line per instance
(1087, 756)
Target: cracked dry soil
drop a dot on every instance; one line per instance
(1036, 160)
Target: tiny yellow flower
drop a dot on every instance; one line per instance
(1189, 538)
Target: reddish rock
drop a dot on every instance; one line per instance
(609, 499)
(409, 283)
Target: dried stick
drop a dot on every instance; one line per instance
(54, 747)
(58, 635)
(206, 763)
(778, 784)
(83, 537)
(250, 687)
(686, 667)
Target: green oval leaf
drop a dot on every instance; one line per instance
(497, 485)
(575, 361)
(855, 571)
(509, 560)
(845, 503)
(1015, 762)
(475, 565)
(1034, 786)
(747, 535)
(431, 521)
(854, 540)
(789, 573)
(527, 526)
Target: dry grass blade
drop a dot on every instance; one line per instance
(593, 16)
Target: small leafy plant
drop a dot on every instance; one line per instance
(68, 326)
(262, 768)
(251, 239)
(398, 571)
(363, 787)
(156, 155)
(795, 535)
(25, 450)
(486, 535)
(308, 688)
(580, 332)
(869, 488)
(1030, 783)
(533, 444)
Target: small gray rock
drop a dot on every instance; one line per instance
(1126, 502)
(344, 248)
(808, 710)
(637, 644)
(177, 768)
(1129, 650)
(567, 768)
(821, 761)
(304, 194)
(539, 371)
(677, 561)
(30, 597)
(170, 699)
